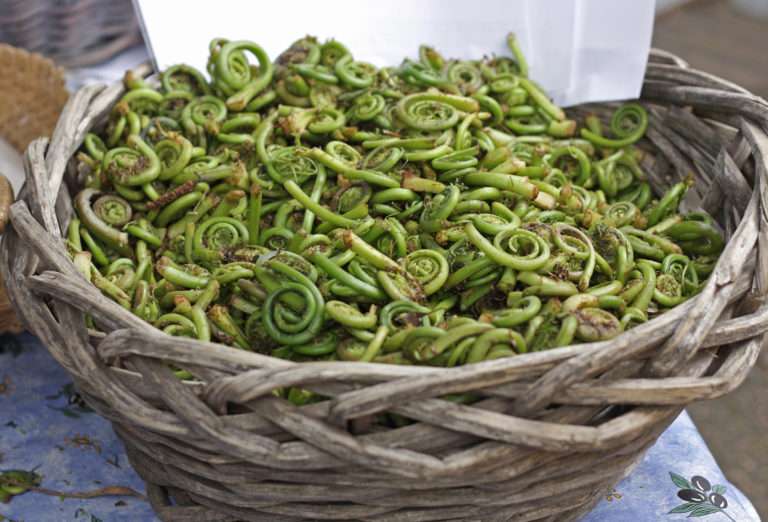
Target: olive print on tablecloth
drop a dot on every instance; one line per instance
(701, 498)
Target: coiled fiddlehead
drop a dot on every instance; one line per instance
(235, 76)
(628, 124)
(132, 166)
(112, 211)
(513, 247)
(184, 78)
(292, 163)
(429, 268)
(367, 107)
(286, 325)
(316, 208)
(433, 112)
(218, 234)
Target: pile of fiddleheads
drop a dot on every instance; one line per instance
(442, 212)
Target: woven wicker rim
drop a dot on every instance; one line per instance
(552, 431)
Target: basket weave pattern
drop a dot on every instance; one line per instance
(551, 433)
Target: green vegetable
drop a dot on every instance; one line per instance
(443, 212)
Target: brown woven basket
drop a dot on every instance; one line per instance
(32, 94)
(553, 431)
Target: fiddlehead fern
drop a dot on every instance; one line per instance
(318, 208)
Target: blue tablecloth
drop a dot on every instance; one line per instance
(42, 429)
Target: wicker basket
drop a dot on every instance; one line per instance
(75, 33)
(32, 94)
(553, 431)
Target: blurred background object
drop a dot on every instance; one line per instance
(32, 94)
(757, 8)
(728, 38)
(718, 36)
(74, 33)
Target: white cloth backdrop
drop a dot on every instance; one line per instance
(579, 50)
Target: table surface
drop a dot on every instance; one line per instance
(43, 428)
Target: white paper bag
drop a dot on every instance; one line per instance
(578, 50)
